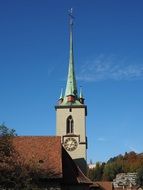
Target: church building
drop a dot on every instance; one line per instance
(71, 115)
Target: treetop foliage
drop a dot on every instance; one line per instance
(6, 132)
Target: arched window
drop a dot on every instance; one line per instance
(70, 125)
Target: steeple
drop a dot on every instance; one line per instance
(71, 96)
(71, 113)
(71, 88)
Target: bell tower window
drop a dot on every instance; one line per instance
(70, 125)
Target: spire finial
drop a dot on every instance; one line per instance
(71, 16)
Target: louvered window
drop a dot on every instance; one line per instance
(70, 125)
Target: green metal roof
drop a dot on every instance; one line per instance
(71, 88)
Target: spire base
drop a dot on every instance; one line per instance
(70, 98)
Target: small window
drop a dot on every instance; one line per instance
(41, 161)
(70, 125)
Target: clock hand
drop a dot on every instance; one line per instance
(72, 144)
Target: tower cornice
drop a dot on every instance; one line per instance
(70, 106)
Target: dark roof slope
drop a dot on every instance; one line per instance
(69, 167)
(106, 185)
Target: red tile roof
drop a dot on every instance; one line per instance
(48, 154)
(45, 152)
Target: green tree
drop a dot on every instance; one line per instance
(6, 132)
(96, 173)
(108, 172)
(139, 179)
(8, 166)
(112, 169)
(14, 173)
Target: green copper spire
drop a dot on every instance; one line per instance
(71, 88)
(71, 97)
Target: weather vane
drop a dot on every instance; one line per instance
(71, 16)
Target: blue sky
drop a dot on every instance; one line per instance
(108, 45)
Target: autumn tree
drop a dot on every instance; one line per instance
(130, 162)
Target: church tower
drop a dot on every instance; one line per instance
(71, 114)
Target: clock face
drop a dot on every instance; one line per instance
(70, 144)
